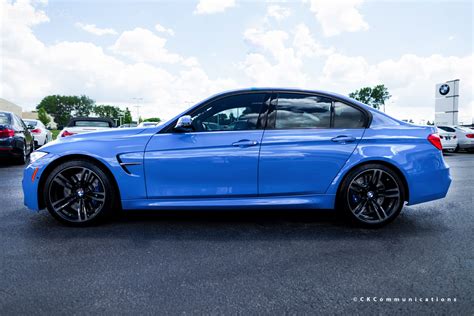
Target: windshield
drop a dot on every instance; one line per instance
(91, 124)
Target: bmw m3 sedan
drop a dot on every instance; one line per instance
(247, 149)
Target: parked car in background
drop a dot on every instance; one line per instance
(465, 136)
(147, 124)
(290, 149)
(41, 134)
(449, 140)
(16, 140)
(128, 125)
(79, 125)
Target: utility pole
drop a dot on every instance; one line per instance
(137, 107)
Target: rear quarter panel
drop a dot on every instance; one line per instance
(407, 148)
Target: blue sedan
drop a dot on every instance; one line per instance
(255, 148)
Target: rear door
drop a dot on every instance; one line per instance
(307, 141)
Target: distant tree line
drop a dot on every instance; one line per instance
(62, 108)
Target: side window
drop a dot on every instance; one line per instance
(346, 116)
(296, 111)
(233, 113)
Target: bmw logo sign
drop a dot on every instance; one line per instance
(444, 89)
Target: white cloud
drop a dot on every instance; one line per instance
(410, 79)
(141, 45)
(93, 29)
(213, 6)
(337, 16)
(35, 70)
(278, 12)
(160, 28)
(279, 61)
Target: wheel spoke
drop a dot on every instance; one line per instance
(379, 210)
(360, 207)
(63, 181)
(376, 177)
(390, 193)
(357, 187)
(96, 196)
(64, 202)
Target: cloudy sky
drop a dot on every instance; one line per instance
(171, 54)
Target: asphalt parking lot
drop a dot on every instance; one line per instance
(238, 262)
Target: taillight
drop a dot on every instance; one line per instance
(66, 133)
(435, 140)
(36, 131)
(7, 132)
(470, 135)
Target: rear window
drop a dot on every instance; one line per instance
(30, 122)
(91, 124)
(4, 119)
(447, 129)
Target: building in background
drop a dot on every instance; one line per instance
(10, 107)
(447, 103)
(33, 115)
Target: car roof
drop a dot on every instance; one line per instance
(95, 119)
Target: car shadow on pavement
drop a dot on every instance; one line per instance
(143, 227)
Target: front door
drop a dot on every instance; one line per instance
(218, 158)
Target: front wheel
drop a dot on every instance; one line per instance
(79, 193)
(372, 195)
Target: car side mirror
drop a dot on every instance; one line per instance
(184, 124)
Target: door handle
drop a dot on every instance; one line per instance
(343, 139)
(245, 143)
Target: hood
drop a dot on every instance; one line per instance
(114, 133)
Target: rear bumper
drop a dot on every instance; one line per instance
(429, 186)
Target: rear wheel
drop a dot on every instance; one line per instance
(23, 157)
(79, 193)
(372, 195)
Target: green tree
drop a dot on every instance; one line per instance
(43, 116)
(62, 107)
(127, 117)
(152, 119)
(140, 119)
(375, 97)
(109, 111)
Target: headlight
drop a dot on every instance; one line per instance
(37, 155)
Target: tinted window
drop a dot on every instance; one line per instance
(31, 122)
(4, 118)
(91, 124)
(233, 113)
(447, 129)
(346, 116)
(295, 111)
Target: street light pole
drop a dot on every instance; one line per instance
(138, 107)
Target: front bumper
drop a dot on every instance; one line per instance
(31, 178)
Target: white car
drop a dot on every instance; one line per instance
(147, 124)
(449, 140)
(79, 125)
(41, 134)
(465, 136)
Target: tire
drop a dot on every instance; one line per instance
(79, 193)
(21, 160)
(371, 195)
(456, 149)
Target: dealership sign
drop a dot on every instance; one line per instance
(446, 102)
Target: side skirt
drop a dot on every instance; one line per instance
(323, 201)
